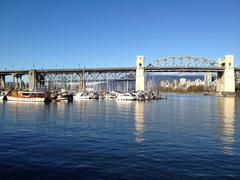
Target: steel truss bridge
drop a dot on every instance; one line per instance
(166, 64)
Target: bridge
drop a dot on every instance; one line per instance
(224, 67)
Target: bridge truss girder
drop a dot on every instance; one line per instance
(77, 77)
(184, 61)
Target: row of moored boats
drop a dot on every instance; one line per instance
(26, 96)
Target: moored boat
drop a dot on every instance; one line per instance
(94, 95)
(60, 98)
(64, 96)
(126, 96)
(24, 96)
(110, 95)
(81, 95)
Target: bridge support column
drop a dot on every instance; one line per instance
(226, 79)
(2, 81)
(19, 81)
(140, 74)
(40, 80)
(32, 80)
(14, 81)
(82, 85)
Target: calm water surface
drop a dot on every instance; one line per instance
(183, 137)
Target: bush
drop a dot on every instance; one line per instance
(195, 89)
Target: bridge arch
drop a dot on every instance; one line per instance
(184, 61)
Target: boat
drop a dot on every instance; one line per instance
(140, 95)
(25, 96)
(111, 95)
(94, 95)
(54, 95)
(81, 95)
(63, 96)
(126, 96)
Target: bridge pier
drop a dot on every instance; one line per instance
(140, 74)
(18, 78)
(32, 80)
(226, 79)
(82, 85)
(40, 80)
(2, 81)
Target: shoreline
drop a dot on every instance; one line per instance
(204, 94)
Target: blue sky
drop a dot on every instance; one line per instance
(111, 33)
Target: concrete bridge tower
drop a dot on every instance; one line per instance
(140, 74)
(226, 79)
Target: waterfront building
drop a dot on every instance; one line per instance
(207, 79)
(182, 82)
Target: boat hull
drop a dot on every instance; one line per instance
(81, 98)
(126, 99)
(30, 99)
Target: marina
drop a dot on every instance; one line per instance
(66, 96)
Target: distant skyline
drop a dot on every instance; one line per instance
(108, 33)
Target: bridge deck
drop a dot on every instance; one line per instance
(79, 70)
(119, 69)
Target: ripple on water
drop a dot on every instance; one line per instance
(185, 136)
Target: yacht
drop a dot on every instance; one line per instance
(61, 98)
(94, 95)
(25, 96)
(81, 95)
(110, 96)
(126, 96)
(140, 95)
(64, 96)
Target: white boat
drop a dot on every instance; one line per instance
(94, 95)
(22, 96)
(81, 95)
(61, 98)
(110, 96)
(140, 95)
(126, 96)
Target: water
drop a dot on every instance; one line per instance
(183, 137)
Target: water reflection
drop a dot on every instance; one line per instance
(139, 121)
(17, 110)
(226, 118)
